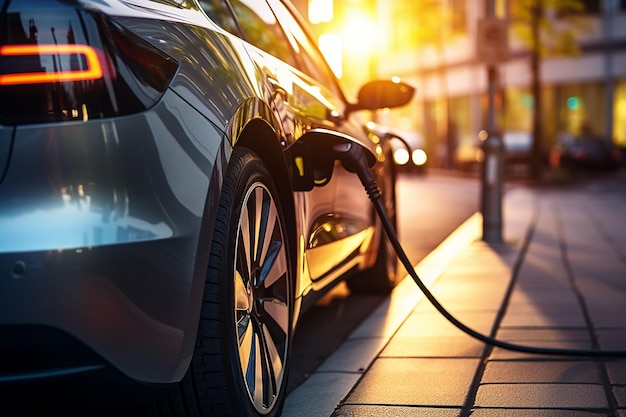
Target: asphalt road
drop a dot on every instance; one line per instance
(429, 208)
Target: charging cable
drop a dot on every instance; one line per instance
(353, 159)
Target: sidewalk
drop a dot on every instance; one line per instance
(564, 262)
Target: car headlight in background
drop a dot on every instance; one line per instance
(419, 157)
(401, 156)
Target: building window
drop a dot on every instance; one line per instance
(518, 109)
(619, 109)
(581, 105)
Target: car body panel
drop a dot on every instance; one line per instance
(301, 104)
(129, 189)
(106, 220)
(6, 139)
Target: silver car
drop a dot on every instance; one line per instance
(169, 201)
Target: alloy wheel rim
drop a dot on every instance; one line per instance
(261, 298)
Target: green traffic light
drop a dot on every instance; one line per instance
(573, 103)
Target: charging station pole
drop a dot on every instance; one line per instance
(492, 48)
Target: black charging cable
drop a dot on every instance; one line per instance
(353, 159)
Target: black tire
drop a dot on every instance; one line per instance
(240, 362)
(382, 277)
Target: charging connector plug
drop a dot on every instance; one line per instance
(353, 159)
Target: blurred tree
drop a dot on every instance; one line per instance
(547, 28)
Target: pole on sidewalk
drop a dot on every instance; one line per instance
(493, 164)
(491, 187)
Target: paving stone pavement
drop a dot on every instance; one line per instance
(558, 280)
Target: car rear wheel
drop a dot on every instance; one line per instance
(239, 367)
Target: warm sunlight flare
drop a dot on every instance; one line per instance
(320, 11)
(330, 45)
(359, 34)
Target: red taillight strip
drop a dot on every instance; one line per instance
(92, 72)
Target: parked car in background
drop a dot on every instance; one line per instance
(585, 151)
(409, 151)
(518, 145)
(170, 202)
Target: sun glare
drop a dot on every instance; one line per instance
(330, 45)
(359, 34)
(320, 11)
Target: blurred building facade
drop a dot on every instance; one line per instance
(439, 55)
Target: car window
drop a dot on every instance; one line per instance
(221, 15)
(260, 28)
(313, 63)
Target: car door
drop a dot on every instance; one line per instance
(335, 219)
(334, 236)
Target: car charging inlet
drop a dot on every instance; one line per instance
(353, 158)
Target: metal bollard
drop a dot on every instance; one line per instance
(491, 186)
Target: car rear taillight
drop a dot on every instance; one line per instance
(67, 63)
(88, 65)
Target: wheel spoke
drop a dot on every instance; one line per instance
(262, 367)
(242, 303)
(246, 346)
(275, 315)
(260, 222)
(256, 375)
(274, 266)
(270, 230)
(274, 360)
(246, 236)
